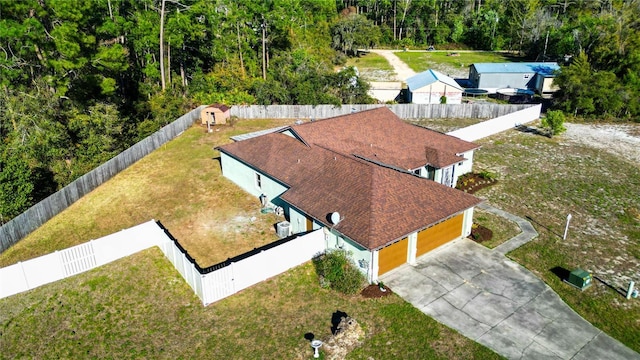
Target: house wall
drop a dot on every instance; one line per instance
(432, 93)
(244, 176)
(503, 80)
(548, 85)
(465, 166)
(298, 220)
(467, 222)
(362, 257)
(219, 116)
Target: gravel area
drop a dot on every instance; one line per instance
(622, 140)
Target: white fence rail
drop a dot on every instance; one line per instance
(499, 124)
(58, 265)
(248, 271)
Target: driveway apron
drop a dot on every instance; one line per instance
(498, 303)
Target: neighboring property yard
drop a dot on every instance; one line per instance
(546, 179)
(445, 125)
(140, 307)
(454, 66)
(373, 67)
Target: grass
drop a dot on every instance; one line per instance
(445, 125)
(456, 66)
(372, 67)
(502, 228)
(546, 179)
(110, 313)
(179, 184)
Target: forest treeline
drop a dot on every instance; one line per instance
(82, 80)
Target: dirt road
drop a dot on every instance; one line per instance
(402, 70)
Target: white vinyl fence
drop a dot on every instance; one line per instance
(499, 124)
(58, 265)
(210, 284)
(234, 275)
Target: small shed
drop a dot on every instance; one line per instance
(431, 86)
(536, 76)
(215, 114)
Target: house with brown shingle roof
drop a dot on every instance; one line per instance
(389, 181)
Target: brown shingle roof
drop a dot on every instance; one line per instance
(381, 135)
(222, 107)
(379, 205)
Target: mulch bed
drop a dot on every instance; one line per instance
(373, 291)
(472, 182)
(480, 233)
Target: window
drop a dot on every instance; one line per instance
(258, 181)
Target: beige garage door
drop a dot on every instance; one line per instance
(439, 234)
(392, 256)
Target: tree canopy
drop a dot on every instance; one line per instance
(81, 80)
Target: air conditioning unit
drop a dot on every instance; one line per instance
(283, 229)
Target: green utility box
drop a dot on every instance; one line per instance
(580, 279)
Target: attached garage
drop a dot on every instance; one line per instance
(439, 234)
(392, 256)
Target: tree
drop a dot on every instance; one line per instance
(352, 32)
(16, 186)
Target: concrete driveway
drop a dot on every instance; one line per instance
(498, 303)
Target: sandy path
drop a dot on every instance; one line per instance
(403, 71)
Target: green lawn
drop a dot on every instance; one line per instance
(546, 179)
(502, 228)
(140, 307)
(372, 67)
(456, 66)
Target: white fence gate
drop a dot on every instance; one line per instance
(58, 265)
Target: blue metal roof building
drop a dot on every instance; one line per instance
(536, 76)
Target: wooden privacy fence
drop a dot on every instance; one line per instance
(233, 275)
(23, 224)
(404, 111)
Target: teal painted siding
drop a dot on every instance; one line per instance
(298, 221)
(245, 177)
(361, 256)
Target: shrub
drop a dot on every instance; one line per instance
(487, 175)
(337, 271)
(554, 122)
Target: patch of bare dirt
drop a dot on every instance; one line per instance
(621, 140)
(480, 233)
